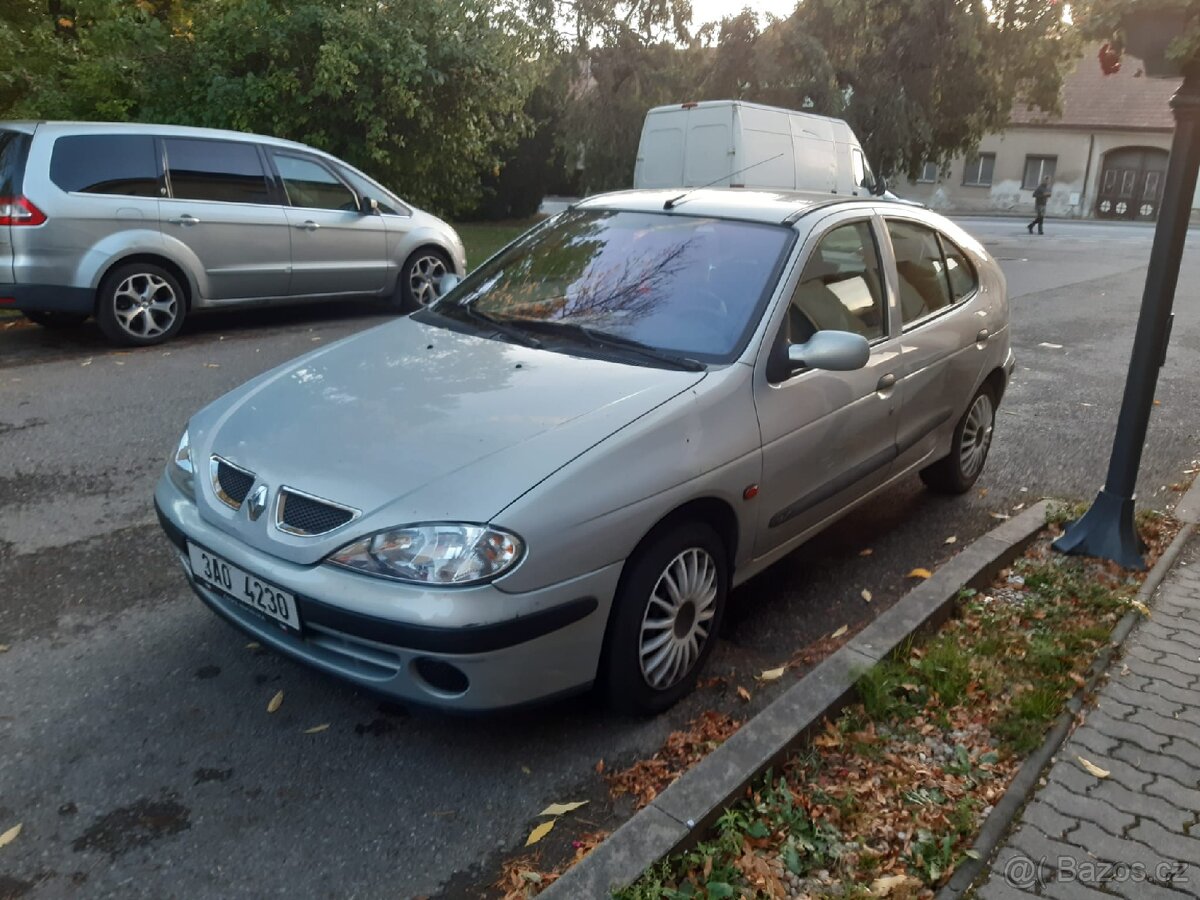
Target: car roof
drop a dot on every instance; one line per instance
(66, 127)
(768, 206)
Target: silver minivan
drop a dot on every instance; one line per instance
(139, 225)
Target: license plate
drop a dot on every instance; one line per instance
(253, 592)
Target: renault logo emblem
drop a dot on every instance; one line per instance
(257, 502)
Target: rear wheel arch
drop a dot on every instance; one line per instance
(153, 259)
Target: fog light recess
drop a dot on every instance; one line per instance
(442, 676)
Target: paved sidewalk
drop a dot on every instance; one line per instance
(1136, 833)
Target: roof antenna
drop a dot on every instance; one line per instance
(671, 204)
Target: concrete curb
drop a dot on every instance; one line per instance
(1005, 811)
(679, 815)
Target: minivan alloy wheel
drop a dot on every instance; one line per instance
(423, 277)
(145, 305)
(678, 618)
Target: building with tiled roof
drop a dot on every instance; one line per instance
(1106, 153)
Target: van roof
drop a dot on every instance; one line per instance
(66, 127)
(774, 207)
(710, 104)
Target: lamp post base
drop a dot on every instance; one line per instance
(1107, 530)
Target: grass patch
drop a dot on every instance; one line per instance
(482, 239)
(892, 792)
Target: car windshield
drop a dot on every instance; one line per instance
(687, 286)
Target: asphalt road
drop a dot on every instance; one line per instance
(135, 746)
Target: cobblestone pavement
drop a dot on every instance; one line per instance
(1136, 833)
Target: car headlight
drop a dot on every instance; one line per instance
(438, 553)
(181, 469)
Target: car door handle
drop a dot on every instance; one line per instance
(185, 219)
(310, 225)
(886, 383)
(983, 335)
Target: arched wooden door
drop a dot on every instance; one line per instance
(1131, 183)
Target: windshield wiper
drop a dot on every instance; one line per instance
(501, 326)
(615, 342)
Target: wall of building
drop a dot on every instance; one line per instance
(1077, 174)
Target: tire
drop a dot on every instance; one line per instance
(417, 285)
(140, 304)
(56, 321)
(638, 675)
(959, 470)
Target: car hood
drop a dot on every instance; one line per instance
(409, 422)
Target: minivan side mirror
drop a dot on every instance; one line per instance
(835, 351)
(368, 206)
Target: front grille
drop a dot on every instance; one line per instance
(231, 483)
(305, 515)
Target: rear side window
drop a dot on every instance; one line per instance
(105, 164)
(310, 185)
(959, 271)
(225, 171)
(920, 268)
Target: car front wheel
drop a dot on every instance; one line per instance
(420, 278)
(664, 627)
(958, 471)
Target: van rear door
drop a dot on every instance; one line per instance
(14, 146)
(660, 153)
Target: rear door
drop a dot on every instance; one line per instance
(223, 208)
(336, 249)
(14, 145)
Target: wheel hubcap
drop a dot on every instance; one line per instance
(424, 277)
(678, 618)
(976, 436)
(145, 305)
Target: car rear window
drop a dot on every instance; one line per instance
(13, 147)
(224, 171)
(106, 164)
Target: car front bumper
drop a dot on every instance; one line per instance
(538, 645)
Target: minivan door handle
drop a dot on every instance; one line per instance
(886, 383)
(310, 225)
(185, 219)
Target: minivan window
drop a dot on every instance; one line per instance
(920, 270)
(13, 145)
(225, 171)
(388, 205)
(106, 164)
(312, 186)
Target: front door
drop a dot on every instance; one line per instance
(221, 208)
(1131, 183)
(828, 437)
(336, 248)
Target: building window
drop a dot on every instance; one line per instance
(1037, 168)
(929, 173)
(978, 171)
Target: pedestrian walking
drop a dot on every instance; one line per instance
(1040, 195)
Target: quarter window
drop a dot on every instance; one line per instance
(225, 171)
(310, 185)
(840, 288)
(106, 164)
(959, 272)
(924, 287)
(979, 169)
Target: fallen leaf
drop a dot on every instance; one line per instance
(86, 362)
(983, 492)
(866, 551)
(837, 634)
(600, 767)
(253, 645)
(999, 515)
(772, 674)
(1092, 768)
(276, 702)
(1158, 403)
(1050, 345)
(559, 809)
(919, 573)
(540, 832)
(212, 365)
(3, 648)
(1140, 607)
(971, 854)
(953, 539)
(743, 693)
(866, 595)
(883, 887)
(9, 836)
(317, 729)
(1018, 507)
(527, 770)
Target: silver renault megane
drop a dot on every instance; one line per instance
(552, 477)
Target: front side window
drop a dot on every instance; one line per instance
(979, 169)
(106, 164)
(224, 171)
(840, 288)
(389, 205)
(920, 269)
(1038, 168)
(312, 186)
(687, 285)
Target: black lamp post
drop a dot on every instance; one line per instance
(1107, 529)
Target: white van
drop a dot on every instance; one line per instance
(729, 143)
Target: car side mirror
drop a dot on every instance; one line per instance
(368, 206)
(836, 351)
(447, 283)
(879, 188)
